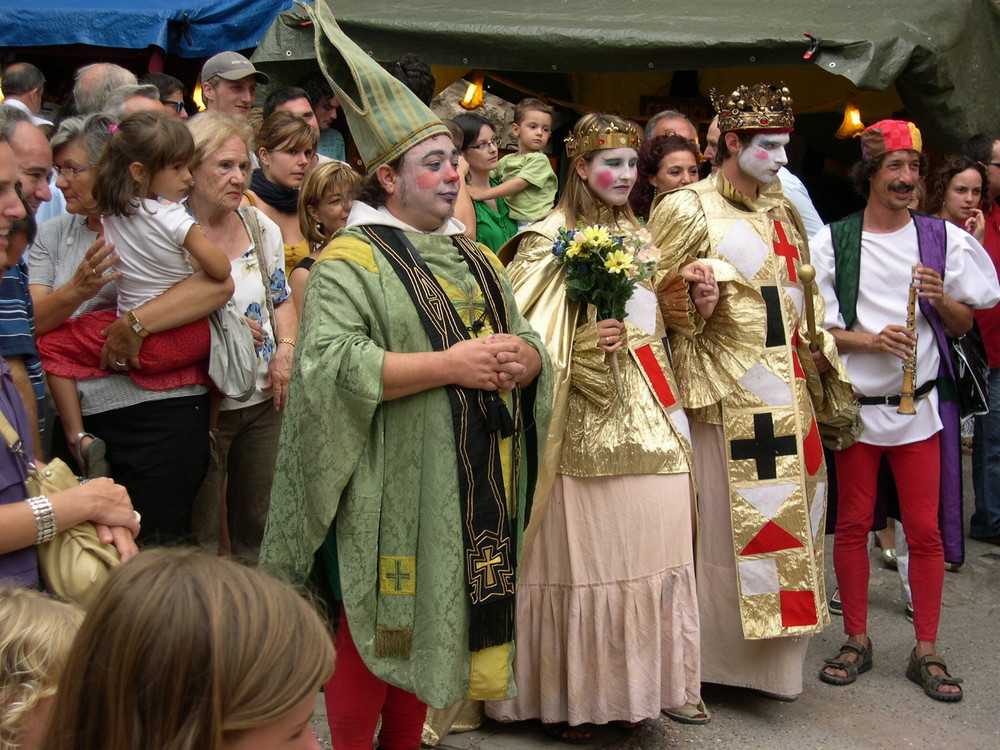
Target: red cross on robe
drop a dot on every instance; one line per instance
(786, 250)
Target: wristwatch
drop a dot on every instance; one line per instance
(136, 325)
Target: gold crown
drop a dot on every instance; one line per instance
(596, 140)
(758, 107)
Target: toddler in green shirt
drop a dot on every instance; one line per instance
(526, 179)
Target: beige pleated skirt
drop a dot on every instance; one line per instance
(773, 665)
(607, 613)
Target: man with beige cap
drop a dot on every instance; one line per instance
(229, 83)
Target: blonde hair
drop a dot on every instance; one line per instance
(322, 179)
(184, 651)
(577, 200)
(36, 633)
(211, 129)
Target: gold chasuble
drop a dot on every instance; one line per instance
(749, 370)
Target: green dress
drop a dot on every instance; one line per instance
(493, 228)
(386, 472)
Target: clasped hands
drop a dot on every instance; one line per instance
(695, 280)
(498, 362)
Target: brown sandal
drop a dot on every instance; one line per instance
(918, 670)
(853, 668)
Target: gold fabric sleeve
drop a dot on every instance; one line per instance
(590, 372)
(708, 366)
(631, 435)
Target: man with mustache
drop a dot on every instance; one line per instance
(865, 265)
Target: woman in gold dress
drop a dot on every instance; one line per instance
(607, 613)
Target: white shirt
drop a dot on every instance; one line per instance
(150, 246)
(18, 104)
(796, 192)
(883, 292)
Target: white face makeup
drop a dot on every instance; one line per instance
(763, 156)
(610, 174)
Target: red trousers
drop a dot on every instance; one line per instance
(916, 468)
(355, 698)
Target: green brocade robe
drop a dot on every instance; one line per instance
(387, 471)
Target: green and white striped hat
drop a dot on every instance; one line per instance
(386, 118)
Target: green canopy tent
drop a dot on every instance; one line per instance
(938, 53)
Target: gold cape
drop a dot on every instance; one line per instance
(592, 431)
(749, 370)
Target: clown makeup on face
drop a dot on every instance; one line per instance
(762, 157)
(610, 174)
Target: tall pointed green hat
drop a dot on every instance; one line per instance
(386, 118)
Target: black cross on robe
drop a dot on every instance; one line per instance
(764, 447)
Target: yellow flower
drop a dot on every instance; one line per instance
(573, 250)
(618, 261)
(597, 235)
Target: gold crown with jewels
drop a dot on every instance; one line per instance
(758, 107)
(598, 139)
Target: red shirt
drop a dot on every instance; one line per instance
(989, 320)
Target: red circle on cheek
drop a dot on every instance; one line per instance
(604, 179)
(426, 180)
(760, 155)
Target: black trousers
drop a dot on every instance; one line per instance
(159, 450)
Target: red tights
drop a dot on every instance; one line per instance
(355, 698)
(916, 468)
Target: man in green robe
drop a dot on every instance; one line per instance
(416, 390)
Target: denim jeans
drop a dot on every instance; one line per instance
(986, 465)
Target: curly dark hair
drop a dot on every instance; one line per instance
(415, 74)
(651, 153)
(937, 183)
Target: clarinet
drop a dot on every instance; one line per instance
(910, 365)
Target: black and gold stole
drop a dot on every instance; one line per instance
(480, 419)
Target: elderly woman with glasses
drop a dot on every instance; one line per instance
(155, 443)
(479, 149)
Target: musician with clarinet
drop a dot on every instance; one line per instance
(896, 285)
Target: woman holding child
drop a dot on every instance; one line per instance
(525, 179)
(615, 476)
(479, 149)
(156, 441)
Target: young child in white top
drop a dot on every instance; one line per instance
(158, 245)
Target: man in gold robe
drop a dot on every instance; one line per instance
(746, 379)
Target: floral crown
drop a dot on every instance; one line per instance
(759, 107)
(595, 139)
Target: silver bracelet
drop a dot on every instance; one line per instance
(45, 518)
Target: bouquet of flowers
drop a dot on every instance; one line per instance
(603, 269)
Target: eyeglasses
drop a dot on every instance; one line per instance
(990, 163)
(495, 142)
(179, 106)
(70, 173)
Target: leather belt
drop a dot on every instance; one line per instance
(921, 392)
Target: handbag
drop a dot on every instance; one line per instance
(75, 563)
(972, 373)
(232, 359)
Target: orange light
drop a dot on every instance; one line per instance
(473, 98)
(196, 97)
(851, 127)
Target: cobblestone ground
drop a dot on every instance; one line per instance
(882, 710)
